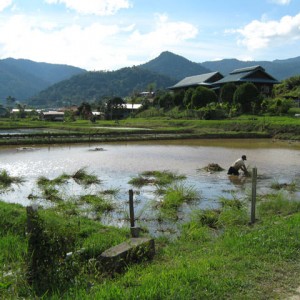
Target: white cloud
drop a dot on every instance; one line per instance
(259, 34)
(281, 2)
(95, 7)
(4, 4)
(165, 34)
(90, 47)
(95, 46)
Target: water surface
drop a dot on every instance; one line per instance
(119, 162)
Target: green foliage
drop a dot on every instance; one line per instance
(160, 178)
(47, 249)
(86, 87)
(213, 111)
(81, 176)
(202, 96)
(187, 100)
(176, 195)
(277, 204)
(247, 95)
(99, 204)
(288, 88)
(114, 108)
(227, 92)
(6, 180)
(276, 106)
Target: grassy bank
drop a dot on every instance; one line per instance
(217, 256)
(151, 129)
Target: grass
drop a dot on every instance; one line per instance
(6, 181)
(81, 176)
(213, 258)
(286, 186)
(176, 195)
(277, 204)
(284, 127)
(159, 178)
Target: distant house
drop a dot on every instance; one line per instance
(52, 115)
(206, 80)
(255, 74)
(215, 80)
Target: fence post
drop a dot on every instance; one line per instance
(134, 230)
(131, 209)
(253, 198)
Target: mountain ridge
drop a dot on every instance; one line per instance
(34, 82)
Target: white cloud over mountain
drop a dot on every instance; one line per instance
(260, 34)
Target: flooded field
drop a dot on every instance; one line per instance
(117, 163)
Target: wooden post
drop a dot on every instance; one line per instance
(253, 199)
(131, 209)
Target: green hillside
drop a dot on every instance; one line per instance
(174, 66)
(21, 78)
(93, 86)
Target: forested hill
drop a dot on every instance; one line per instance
(93, 86)
(174, 66)
(21, 78)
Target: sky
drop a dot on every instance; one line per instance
(112, 34)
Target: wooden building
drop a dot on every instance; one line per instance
(255, 74)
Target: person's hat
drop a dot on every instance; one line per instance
(244, 157)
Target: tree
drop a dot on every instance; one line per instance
(113, 108)
(10, 102)
(247, 95)
(21, 108)
(178, 98)
(166, 101)
(227, 92)
(202, 96)
(85, 110)
(187, 100)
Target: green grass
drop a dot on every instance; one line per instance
(159, 178)
(218, 255)
(6, 181)
(247, 126)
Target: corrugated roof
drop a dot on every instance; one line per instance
(248, 69)
(194, 80)
(244, 75)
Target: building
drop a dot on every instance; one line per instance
(52, 115)
(215, 80)
(198, 80)
(255, 74)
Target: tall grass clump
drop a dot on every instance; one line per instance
(98, 203)
(176, 195)
(277, 204)
(82, 177)
(291, 187)
(43, 181)
(6, 180)
(159, 178)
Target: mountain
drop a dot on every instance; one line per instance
(42, 84)
(93, 86)
(280, 69)
(174, 66)
(21, 78)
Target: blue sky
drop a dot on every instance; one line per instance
(111, 34)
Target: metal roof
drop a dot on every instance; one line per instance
(194, 80)
(244, 75)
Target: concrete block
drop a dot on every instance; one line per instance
(135, 250)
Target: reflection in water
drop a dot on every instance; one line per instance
(275, 162)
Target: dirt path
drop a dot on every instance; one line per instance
(296, 296)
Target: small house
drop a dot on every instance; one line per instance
(52, 115)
